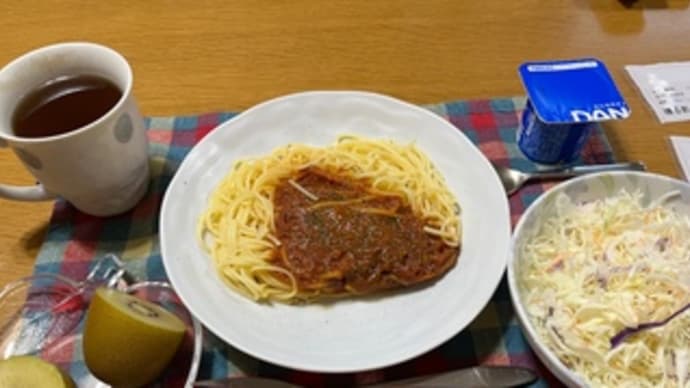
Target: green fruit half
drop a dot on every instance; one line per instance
(31, 371)
(129, 341)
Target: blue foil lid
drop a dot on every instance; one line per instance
(573, 91)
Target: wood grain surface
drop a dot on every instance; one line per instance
(201, 56)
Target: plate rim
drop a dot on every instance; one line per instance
(430, 345)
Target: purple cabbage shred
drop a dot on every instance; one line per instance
(628, 331)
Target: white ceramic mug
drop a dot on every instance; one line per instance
(101, 168)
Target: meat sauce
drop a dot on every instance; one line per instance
(350, 241)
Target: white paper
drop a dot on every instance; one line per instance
(681, 147)
(665, 87)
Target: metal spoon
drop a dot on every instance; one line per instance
(514, 179)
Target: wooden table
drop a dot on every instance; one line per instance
(207, 56)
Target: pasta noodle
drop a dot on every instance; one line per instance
(237, 228)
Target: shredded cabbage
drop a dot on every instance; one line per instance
(595, 269)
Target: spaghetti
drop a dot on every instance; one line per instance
(238, 228)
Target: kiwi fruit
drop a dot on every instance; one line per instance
(129, 341)
(31, 371)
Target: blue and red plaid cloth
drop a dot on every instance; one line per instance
(74, 240)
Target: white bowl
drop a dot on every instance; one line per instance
(585, 188)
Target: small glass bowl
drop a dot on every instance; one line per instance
(43, 315)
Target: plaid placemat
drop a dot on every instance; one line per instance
(74, 240)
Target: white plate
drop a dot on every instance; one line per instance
(359, 333)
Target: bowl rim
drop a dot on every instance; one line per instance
(545, 354)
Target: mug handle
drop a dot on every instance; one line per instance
(24, 193)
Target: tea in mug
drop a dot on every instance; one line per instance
(64, 104)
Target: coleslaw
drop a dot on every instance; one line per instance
(607, 284)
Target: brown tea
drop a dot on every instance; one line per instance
(64, 104)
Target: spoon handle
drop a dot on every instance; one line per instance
(582, 170)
